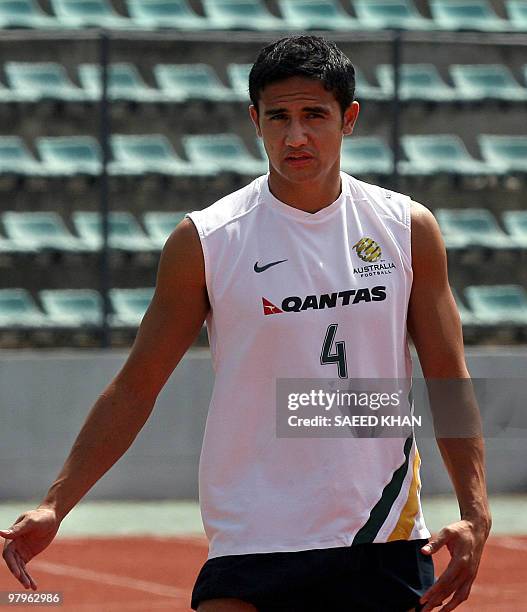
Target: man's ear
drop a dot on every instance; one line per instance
(253, 112)
(350, 117)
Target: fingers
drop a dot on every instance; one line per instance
(452, 579)
(29, 583)
(459, 597)
(7, 534)
(438, 542)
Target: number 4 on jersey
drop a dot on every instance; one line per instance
(339, 356)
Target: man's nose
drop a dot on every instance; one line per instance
(296, 134)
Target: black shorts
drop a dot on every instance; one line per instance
(387, 577)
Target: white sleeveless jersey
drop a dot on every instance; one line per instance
(260, 493)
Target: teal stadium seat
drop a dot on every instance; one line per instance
(25, 14)
(439, 153)
(478, 82)
(364, 90)
(130, 305)
(159, 225)
(515, 222)
(36, 81)
(158, 14)
(506, 154)
(390, 14)
(72, 308)
(498, 304)
(476, 226)
(89, 14)
(152, 154)
(316, 15)
(70, 155)
(180, 82)
(467, 15)
(15, 158)
(124, 83)
(238, 75)
(42, 231)
(366, 155)
(420, 82)
(241, 15)
(517, 13)
(466, 315)
(227, 151)
(125, 233)
(19, 310)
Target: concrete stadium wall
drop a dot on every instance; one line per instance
(46, 396)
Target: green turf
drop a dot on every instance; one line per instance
(166, 518)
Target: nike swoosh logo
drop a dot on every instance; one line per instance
(258, 268)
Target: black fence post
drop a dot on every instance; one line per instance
(104, 269)
(396, 106)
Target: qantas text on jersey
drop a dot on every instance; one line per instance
(295, 303)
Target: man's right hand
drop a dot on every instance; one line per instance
(31, 533)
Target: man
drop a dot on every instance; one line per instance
(296, 524)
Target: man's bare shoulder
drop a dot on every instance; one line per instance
(426, 233)
(182, 255)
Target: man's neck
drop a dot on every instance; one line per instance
(309, 196)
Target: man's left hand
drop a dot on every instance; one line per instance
(464, 540)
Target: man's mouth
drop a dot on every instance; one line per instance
(298, 158)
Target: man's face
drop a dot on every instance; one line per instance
(301, 124)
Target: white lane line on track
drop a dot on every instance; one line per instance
(512, 543)
(146, 586)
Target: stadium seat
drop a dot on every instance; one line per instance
(498, 304)
(515, 222)
(241, 15)
(416, 82)
(395, 14)
(476, 226)
(125, 233)
(124, 83)
(364, 90)
(505, 153)
(467, 15)
(467, 316)
(130, 305)
(72, 307)
(70, 155)
(18, 309)
(224, 150)
(25, 14)
(159, 225)
(16, 159)
(238, 75)
(151, 154)
(33, 82)
(43, 231)
(89, 14)
(155, 14)
(316, 15)
(517, 13)
(476, 82)
(191, 81)
(438, 153)
(366, 155)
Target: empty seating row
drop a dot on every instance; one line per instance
(254, 15)
(34, 232)
(77, 308)
(36, 81)
(72, 308)
(210, 154)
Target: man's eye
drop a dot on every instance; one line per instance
(314, 115)
(279, 116)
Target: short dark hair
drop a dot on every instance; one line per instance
(312, 57)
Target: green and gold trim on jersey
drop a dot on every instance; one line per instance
(380, 512)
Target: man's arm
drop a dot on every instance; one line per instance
(435, 327)
(171, 323)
